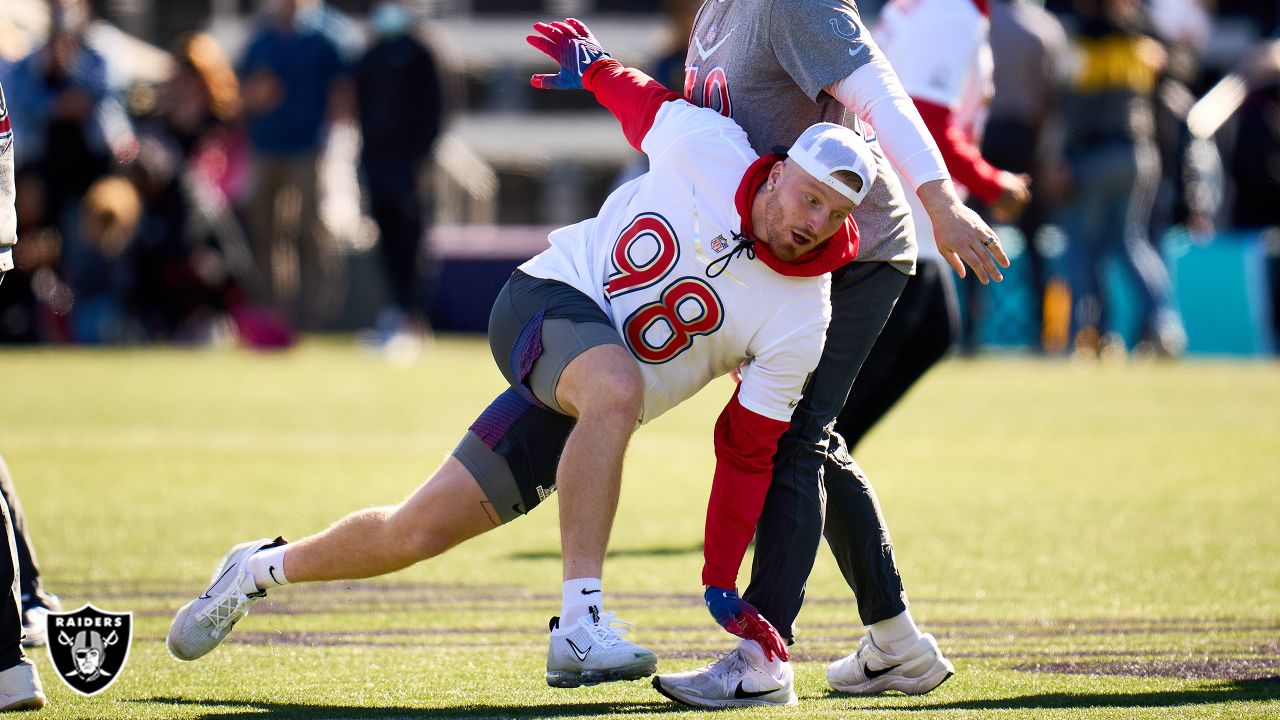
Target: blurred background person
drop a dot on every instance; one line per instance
(950, 85)
(400, 99)
(1030, 55)
(1114, 168)
(103, 275)
(75, 130)
(293, 82)
(1254, 158)
(193, 264)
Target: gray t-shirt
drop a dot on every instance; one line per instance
(765, 63)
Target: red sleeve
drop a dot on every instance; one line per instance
(632, 96)
(964, 160)
(745, 445)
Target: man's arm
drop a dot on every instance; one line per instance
(874, 93)
(8, 213)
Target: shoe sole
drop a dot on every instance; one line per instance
(34, 702)
(704, 703)
(941, 671)
(576, 678)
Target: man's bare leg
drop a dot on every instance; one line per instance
(448, 509)
(603, 389)
(445, 511)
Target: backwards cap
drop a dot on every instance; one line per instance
(824, 148)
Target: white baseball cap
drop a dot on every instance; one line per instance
(825, 148)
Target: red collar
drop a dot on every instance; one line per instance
(840, 250)
(984, 7)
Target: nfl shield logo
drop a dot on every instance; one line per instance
(88, 647)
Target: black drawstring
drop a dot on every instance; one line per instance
(744, 244)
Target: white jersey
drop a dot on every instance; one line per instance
(644, 260)
(955, 72)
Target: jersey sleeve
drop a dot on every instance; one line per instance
(8, 215)
(746, 439)
(654, 118)
(774, 379)
(818, 42)
(745, 444)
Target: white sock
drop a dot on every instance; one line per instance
(578, 595)
(266, 567)
(895, 635)
(756, 653)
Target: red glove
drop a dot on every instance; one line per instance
(742, 619)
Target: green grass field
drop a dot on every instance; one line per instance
(1085, 542)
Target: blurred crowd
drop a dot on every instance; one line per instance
(191, 211)
(188, 211)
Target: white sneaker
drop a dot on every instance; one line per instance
(203, 623)
(737, 679)
(35, 618)
(872, 670)
(592, 651)
(20, 688)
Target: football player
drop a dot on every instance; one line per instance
(717, 258)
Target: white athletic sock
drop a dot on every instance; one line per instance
(578, 595)
(895, 635)
(756, 653)
(266, 567)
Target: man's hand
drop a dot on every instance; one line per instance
(962, 237)
(6, 260)
(1015, 193)
(740, 618)
(571, 45)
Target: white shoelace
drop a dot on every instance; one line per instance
(227, 607)
(608, 631)
(727, 664)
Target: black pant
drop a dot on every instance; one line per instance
(398, 214)
(29, 584)
(791, 524)
(10, 608)
(924, 324)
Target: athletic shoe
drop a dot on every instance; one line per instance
(35, 618)
(738, 679)
(203, 623)
(20, 687)
(592, 651)
(872, 670)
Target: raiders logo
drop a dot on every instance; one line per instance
(89, 647)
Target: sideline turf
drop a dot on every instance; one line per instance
(1085, 541)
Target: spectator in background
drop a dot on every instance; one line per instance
(103, 276)
(1182, 27)
(74, 130)
(193, 264)
(950, 86)
(292, 83)
(1254, 158)
(1115, 168)
(401, 105)
(1024, 134)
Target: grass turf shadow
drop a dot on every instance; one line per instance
(621, 553)
(301, 711)
(1234, 691)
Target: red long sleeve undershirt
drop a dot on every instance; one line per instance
(633, 97)
(964, 160)
(745, 444)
